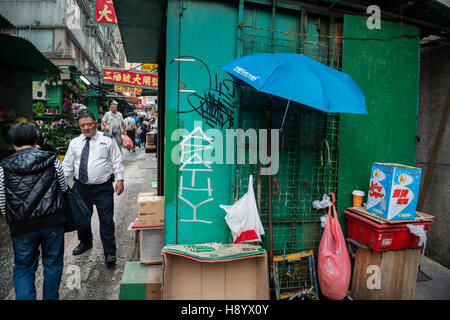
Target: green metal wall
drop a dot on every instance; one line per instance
(206, 32)
(385, 65)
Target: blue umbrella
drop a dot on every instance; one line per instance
(299, 78)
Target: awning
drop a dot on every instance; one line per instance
(140, 23)
(20, 52)
(5, 24)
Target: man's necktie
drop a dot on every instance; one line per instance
(83, 172)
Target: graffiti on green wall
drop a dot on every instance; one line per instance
(216, 103)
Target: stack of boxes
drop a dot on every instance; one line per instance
(389, 233)
(142, 279)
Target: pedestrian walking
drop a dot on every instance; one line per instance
(32, 184)
(112, 122)
(96, 160)
(130, 127)
(155, 132)
(144, 130)
(136, 119)
(138, 135)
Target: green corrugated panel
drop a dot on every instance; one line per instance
(207, 31)
(54, 96)
(387, 71)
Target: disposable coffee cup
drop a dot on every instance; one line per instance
(358, 197)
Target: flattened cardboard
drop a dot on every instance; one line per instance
(215, 251)
(228, 274)
(150, 209)
(420, 216)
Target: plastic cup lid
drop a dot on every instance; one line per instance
(358, 193)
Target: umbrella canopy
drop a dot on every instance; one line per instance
(299, 78)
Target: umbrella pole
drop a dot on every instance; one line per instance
(282, 123)
(269, 191)
(285, 112)
(258, 191)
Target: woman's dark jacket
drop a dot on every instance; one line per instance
(33, 197)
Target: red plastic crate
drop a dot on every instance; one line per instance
(383, 237)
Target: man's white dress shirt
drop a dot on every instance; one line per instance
(104, 160)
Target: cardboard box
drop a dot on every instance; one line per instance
(140, 282)
(393, 190)
(215, 272)
(150, 209)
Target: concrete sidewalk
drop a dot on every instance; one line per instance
(434, 282)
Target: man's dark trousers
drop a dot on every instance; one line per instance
(102, 196)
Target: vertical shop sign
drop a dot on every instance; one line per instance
(104, 12)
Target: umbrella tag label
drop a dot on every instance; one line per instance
(245, 73)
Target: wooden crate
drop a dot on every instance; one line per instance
(140, 282)
(397, 271)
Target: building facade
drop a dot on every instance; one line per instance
(64, 31)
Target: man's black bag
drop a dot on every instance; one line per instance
(77, 213)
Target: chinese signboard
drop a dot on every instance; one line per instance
(149, 66)
(118, 88)
(128, 78)
(104, 12)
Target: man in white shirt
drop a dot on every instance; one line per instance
(96, 160)
(112, 122)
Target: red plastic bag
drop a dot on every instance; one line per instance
(334, 268)
(127, 143)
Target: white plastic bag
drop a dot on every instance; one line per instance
(243, 219)
(420, 232)
(322, 204)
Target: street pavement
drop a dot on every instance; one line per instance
(434, 282)
(97, 281)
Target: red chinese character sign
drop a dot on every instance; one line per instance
(104, 12)
(128, 78)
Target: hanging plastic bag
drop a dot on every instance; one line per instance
(243, 218)
(127, 143)
(421, 233)
(334, 268)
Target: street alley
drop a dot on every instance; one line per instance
(97, 281)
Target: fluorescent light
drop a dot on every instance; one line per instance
(85, 80)
(184, 59)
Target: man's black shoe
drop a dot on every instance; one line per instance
(110, 259)
(82, 247)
